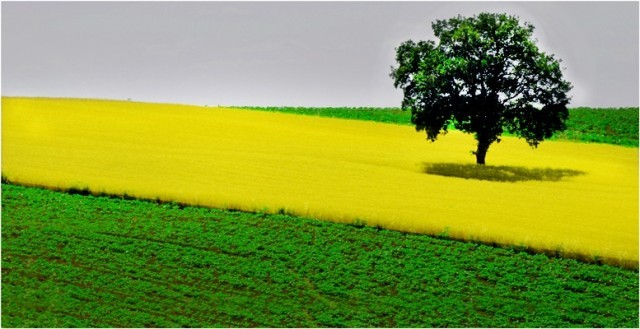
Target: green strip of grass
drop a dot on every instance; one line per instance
(386, 115)
(84, 261)
(617, 126)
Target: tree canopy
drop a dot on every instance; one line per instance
(485, 76)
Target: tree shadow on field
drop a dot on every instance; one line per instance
(498, 173)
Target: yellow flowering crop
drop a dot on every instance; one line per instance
(332, 169)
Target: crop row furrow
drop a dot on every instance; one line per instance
(190, 287)
(179, 244)
(341, 297)
(93, 249)
(199, 288)
(80, 297)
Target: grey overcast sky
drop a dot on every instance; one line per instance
(285, 53)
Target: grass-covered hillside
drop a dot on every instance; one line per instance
(617, 126)
(84, 261)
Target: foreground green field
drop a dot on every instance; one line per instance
(616, 126)
(84, 261)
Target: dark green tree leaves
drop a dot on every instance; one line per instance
(486, 76)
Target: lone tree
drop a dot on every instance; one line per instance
(485, 76)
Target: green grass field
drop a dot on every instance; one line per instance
(618, 126)
(84, 261)
(610, 126)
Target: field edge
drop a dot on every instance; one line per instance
(553, 253)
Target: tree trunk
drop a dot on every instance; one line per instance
(481, 153)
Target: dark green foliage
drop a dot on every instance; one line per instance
(485, 76)
(81, 191)
(86, 261)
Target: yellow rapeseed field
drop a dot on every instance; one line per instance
(331, 169)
